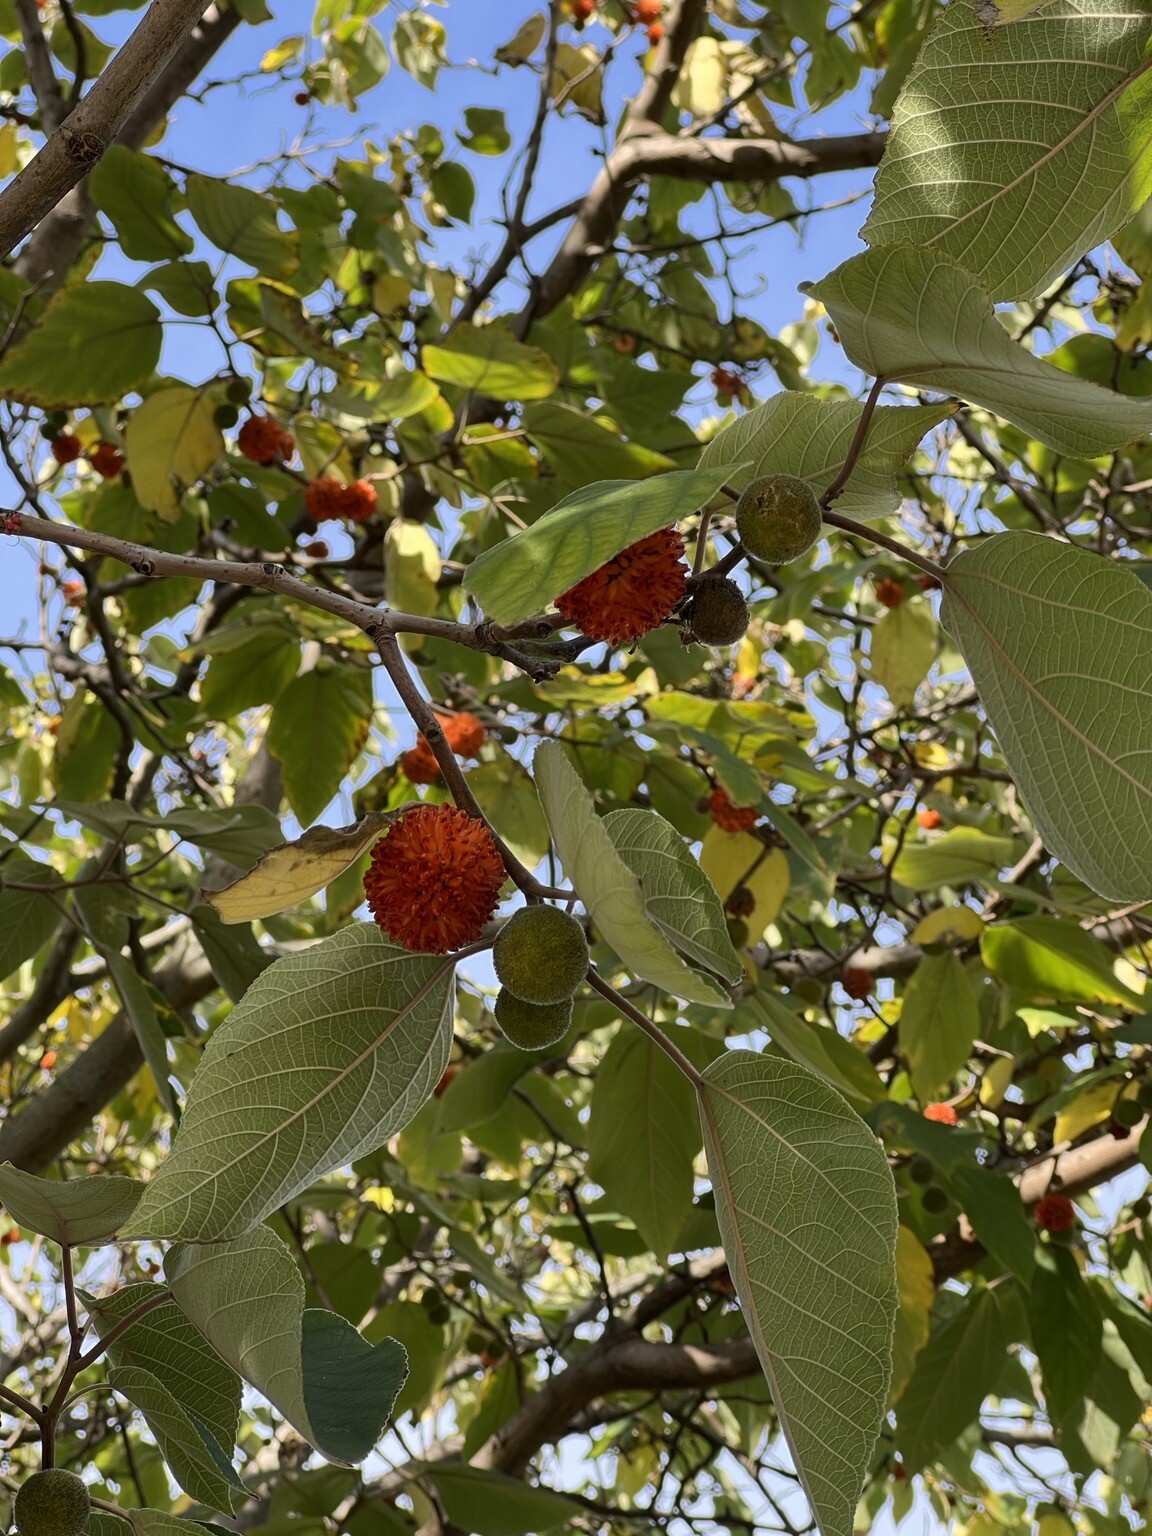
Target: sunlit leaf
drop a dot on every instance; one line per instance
(488, 358)
(807, 1212)
(77, 1211)
(96, 342)
(288, 875)
(170, 441)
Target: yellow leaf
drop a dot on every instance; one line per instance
(287, 875)
(1086, 1110)
(916, 1292)
(528, 37)
(997, 1080)
(170, 442)
(903, 648)
(577, 81)
(8, 150)
(930, 754)
(730, 859)
(702, 87)
(949, 925)
(322, 450)
(412, 568)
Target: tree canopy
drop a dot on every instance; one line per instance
(575, 824)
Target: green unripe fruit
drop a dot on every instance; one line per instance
(532, 1026)
(1144, 1095)
(52, 1503)
(934, 1200)
(225, 415)
(778, 518)
(541, 955)
(717, 613)
(921, 1170)
(1142, 1207)
(238, 391)
(1127, 1112)
(738, 932)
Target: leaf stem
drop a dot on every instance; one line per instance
(653, 1031)
(864, 531)
(856, 447)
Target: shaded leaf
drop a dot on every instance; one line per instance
(952, 1377)
(243, 223)
(318, 725)
(76, 1212)
(902, 649)
(252, 1138)
(1067, 1329)
(95, 342)
(807, 1213)
(192, 1455)
(916, 1290)
(490, 1504)
(904, 312)
(1059, 644)
(135, 192)
(605, 884)
(939, 1020)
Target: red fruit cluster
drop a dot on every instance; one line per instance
(741, 903)
(264, 441)
(1055, 1213)
(465, 735)
(73, 592)
(889, 592)
(729, 817)
(107, 460)
(329, 499)
(631, 594)
(943, 1114)
(449, 1074)
(655, 32)
(857, 983)
(582, 11)
(65, 448)
(928, 819)
(434, 879)
(647, 11)
(48, 1061)
(725, 382)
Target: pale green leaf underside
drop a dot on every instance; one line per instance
(1016, 152)
(1059, 644)
(605, 884)
(802, 435)
(907, 313)
(522, 575)
(247, 1298)
(807, 1213)
(329, 1054)
(678, 896)
(73, 1211)
(182, 1445)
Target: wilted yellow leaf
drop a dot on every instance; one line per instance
(949, 925)
(730, 859)
(287, 875)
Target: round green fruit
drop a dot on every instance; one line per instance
(778, 518)
(532, 1026)
(1127, 1112)
(238, 391)
(921, 1170)
(52, 1503)
(934, 1200)
(717, 613)
(541, 955)
(1142, 1207)
(1144, 1094)
(225, 415)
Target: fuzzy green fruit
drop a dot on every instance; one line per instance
(532, 1026)
(778, 518)
(541, 955)
(738, 932)
(717, 613)
(52, 1503)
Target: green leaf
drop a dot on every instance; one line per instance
(1053, 959)
(939, 1020)
(135, 191)
(171, 440)
(234, 954)
(318, 725)
(478, 1093)
(27, 921)
(95, 342)
(524, 573)
(998, 1216)
(488, 358)
(247, 1298)
(487, 131)
(193, 1456)
(605, 884)
(904, 312)
(412, 568)
(185, 285)
(822, 1050)
(452, 187)
(917, 1290)
(239, 833)
(963, 856)
(580, 448)
(252, 1137)
(1063, 97)
(807, 1213)
(292, 872)
(77, 1212)
(253, 673)
(796, 434)
(165, 1343)
(507, 797)
(1067, 1329)
(643, 1136)
(243, 223)
(678, 896)
(86, 746)
(1059, 644)
(490, 1504)
(345, 1275)
(902, 649)
(953, 1375)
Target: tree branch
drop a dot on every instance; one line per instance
(84, 135)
